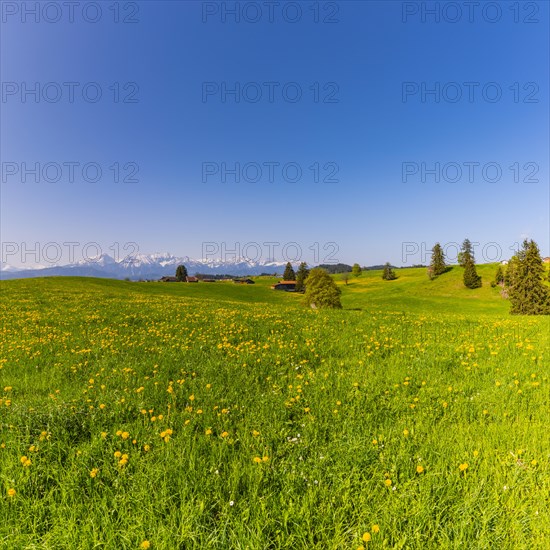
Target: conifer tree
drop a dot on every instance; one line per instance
(437, 264)
(321, 290)
(466, 252)
(471, 278)
(388, 274)
(526, 289)
(289, 274)
(499, 275)
(301, 277)
(181, 273)
(467, 261)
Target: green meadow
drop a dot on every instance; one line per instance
(214, 415)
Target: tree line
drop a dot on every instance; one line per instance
(522, 279)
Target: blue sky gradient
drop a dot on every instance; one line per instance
(369, 130)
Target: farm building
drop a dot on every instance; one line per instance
(243, 281)
(168, 280)
(191, 279)
(288, 286)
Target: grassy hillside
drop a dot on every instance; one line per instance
(413, 291)
(226, 416)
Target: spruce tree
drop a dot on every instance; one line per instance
(388, 274)
(437, 264)
(181, 273)
(471, 278)
(466, 252)
(321, 290)
(499, 275)
(356, 270)
(289, 274)
(301, 276)
(528, 294)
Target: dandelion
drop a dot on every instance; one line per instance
(375, 529)
(94, 472)
(463, 467)
(208, 431)
(11, 492)
(366, 537)
(374, 442)
(419, 469)
(145, 544)
(224, 434)
(388, 482)
(146, 448)
(406, 433)
(476, 453)
(125, 435)
(118, 454)
(257, 460)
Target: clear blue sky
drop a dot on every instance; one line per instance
(369, 130)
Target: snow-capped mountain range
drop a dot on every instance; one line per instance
(142, 266)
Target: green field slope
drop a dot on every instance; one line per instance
(214, 415)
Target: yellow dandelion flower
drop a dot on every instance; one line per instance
(118, 454)
(145, 544)
(387, 482)
(94, 472)
(224, 434)
(11, 492)
(375, 529)
(208, 431)
(257, 460)
(419, 469)
(405, 433)
(463, 467)
(366, 537)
